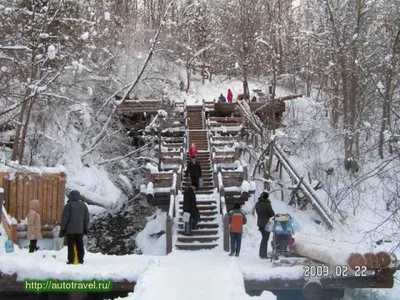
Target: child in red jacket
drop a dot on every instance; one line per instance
(229, 96)
(193, 151)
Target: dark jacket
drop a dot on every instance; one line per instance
(193, 169)
(264, 212)
(75, 216)
(222, 99)
(189, 202)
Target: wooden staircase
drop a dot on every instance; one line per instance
(206, 235)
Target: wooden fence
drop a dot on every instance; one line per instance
(49, 189)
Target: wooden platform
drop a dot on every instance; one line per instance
(143, 106)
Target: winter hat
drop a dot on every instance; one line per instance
(74, 195)
(264, 195)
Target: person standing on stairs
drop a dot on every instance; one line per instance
(193, 151)
(190, 206)
(264, 213)
(193, 169)
(237, 219)
(229, 96)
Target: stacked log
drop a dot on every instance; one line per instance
(340, 256)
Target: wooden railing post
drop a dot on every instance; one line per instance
(14, 233)
(168, 230)
(245, 173)
(225, 219)
(1, 203)
(169, 221)
(226, 233)
(159, 151)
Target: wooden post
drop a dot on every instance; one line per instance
(245, 173)
(14, 233)
(280, 180)
(1, 202)
(168, 230)
(226, 233)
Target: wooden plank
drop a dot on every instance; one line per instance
(49, 199)
(12, 200)
(40, 195)
(61, 200)
(232, 174)
(54, 200)
(20, 198)
(35, 185)
(44, 200)
(2, 175)
(6, 187)
(25, 198)
(156, 176)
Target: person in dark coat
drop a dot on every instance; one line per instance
(264, 212)
(193, 169)
(190, 206)
(74, 224)
(222, 99)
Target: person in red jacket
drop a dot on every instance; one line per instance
(193, 151)
(229, 96)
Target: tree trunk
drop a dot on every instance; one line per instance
(18, 127)
(246, 87)
(387, 98)
(25, 131)
(187, 78)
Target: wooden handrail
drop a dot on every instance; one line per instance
(225, 218)
(171, 213)
(9, 227)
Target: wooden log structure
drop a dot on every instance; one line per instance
(143, 106)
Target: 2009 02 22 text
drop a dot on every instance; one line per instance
(338, 271)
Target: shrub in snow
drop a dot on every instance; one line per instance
(85, 36)
(51, 52)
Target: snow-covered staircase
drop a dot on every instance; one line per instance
(206, 235)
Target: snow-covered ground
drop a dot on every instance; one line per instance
(307, 136)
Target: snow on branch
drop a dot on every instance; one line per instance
(123, 156)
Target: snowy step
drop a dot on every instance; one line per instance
(204, 207)
(207, 185)
(205, 192)
(202, 202)
(202, 218)
(201, 225)
(199, 239)
(194, 247)
(200, 232)
(204, 213)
